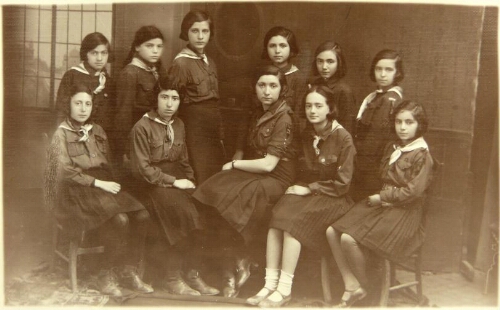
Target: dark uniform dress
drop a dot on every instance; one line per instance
(393, 232)
(328, 176)
(343, 98)
(196, 76)
(103, 98)
(81, 206)
(243, 198)
(158, 158)
(136, 94)
(374, 130)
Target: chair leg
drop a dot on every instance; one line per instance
(386, 283)
(326, 280)
(73, 257)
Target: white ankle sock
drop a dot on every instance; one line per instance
(272, 276)
(285, 283)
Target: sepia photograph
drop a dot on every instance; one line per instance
(235, 154)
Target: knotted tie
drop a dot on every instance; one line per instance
(102, 82)
(315, 144)
(398, 150)
(84, 132)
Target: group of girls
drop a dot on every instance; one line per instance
(166, 130)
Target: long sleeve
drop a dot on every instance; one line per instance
(141, 160)
(339, 185)
(418, 172)
(68, 170)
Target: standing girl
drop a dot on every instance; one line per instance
(137, 84)
(280, 46)
(328, 68)
(389, 222)
(94, 55)
(160, 163)
(196, 75)
(242, 194)
(301, 216)
(81, 184)
(373, 126)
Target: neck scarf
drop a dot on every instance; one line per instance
(170, 129)
(318, 138)
(398, 150)
(189, 53)
(83, 131)
(101, 74)
(139, 63)
(372, 96)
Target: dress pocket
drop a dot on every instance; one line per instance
(156, 148)
(101, 144)
(76, 149)
(202, 86)
(327, 160)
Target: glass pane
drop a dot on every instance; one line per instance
(61, 60)
(62, 7)
(104, 7)
(76, 7)
(32, 6)
(88, 7)
(29, 93)
(44, 60)
(31, 25)
(43, 93)
(46, 7)
(57, 82)
(62, 27)
(45, 26)
(75, 27)
(74, 55)
(88, 23)
(30, 58)
(103, 24)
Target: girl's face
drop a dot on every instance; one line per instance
(98, 57)
(168, 103)
(268, 90)
(278, 50)
(406, 126)
(80, 107)
(327, 64)
(151, 50)
(317, 109)
(385, 72)
(198, 36)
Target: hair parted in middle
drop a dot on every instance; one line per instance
(192, 17)
(145, 33)
(327, 93)
(76, 89)
(91, 41)
(285, 33)
(388, 54)
(169, 83)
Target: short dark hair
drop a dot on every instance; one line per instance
(285, 33)
(418, 112)
(388, 54)
(192, 17)
(73, 90)
(326, 92)
(145, 33)
(90, 42)
(271, 70)
(337, 50)
(169, 83)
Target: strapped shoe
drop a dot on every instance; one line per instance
(194, 280)
(130, 278)
(268, 303)
(256, 299)
(107, 281)
(349, 298)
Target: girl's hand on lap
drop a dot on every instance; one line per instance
(228, 166)
(183, 184)
(110, 187)
(298, 190)
(374, 200)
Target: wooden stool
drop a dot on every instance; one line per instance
(74, 251)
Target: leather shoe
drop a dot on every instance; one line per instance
(194, 280)
(130, 278)
(107, 282)
(351, 297)
(256, 299)
(174, 284)
(242, 271)
(229, 289)
(268, 303)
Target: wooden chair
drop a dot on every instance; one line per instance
(71, 256)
